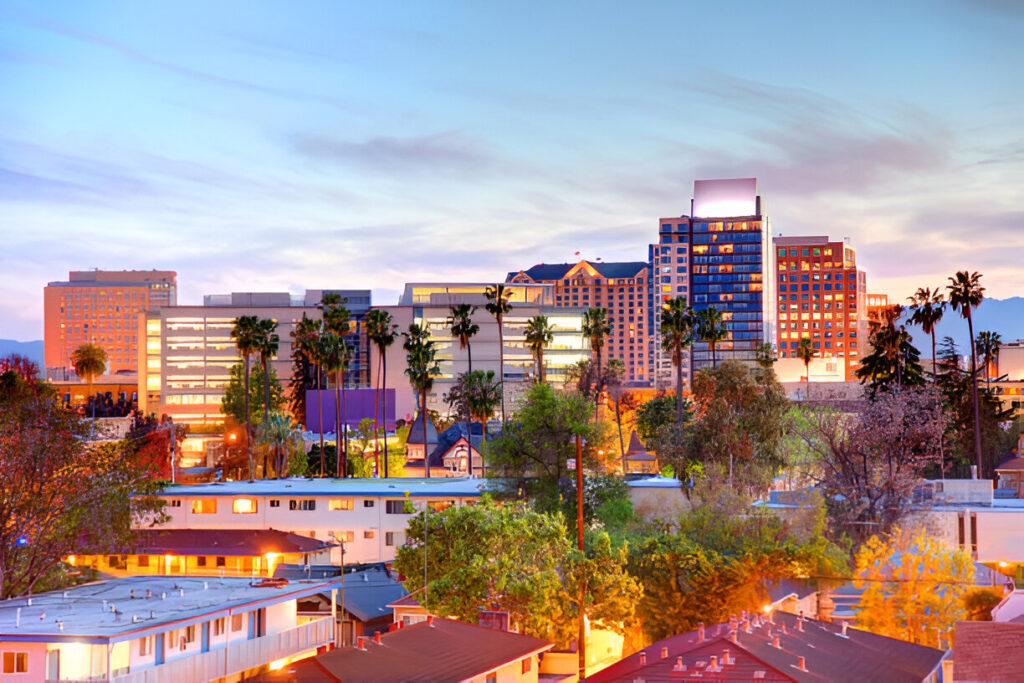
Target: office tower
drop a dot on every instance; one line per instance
(730, 255)
(101, 307)
(621, 288)
(670, 278)
(822, 297)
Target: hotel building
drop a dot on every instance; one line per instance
(186, 361)
(429, 304)
(670, 278)
(823, 297)
(101, 307)
(621, 288)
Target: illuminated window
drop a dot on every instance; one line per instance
(15, 662)
(236, 622)
(204, 506)
(243, 506)
(339, 504)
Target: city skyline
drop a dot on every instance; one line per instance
(254, 150)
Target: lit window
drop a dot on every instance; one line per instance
(236, 622)
(243, 506)
(204, 506)
(339, 504)
(15, 662)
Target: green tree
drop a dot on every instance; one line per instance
(596, 326)
(616, 376)
(988, 348)
(337, 322)
(539, 334)
(498, 305)
(232, 404)
(966, 294)
(421, 368)
(805, 352)
(659, 411)
(541, 438)
(268, 343)
(741, 416)
(335, 353)
(913, 586)
(382, 332)
(60, 494)
(711, 329)
(247, 335)
(512, 558)
(927, 307)
(89, 360)
(678, 326)
(894, 363)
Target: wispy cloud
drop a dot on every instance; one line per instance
(445, 153)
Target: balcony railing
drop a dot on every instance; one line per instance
(237, 656)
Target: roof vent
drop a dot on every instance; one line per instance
(376, 637)
(42, 615)
(643, 658)
(664, 653)
(60, 624)
(726, 658)
(680, 666)
(775, 642)
(843, 633)
(700, 632)
(801, 663)
(713, 666)
(430, 620)
(361, 643)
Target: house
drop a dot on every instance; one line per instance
(638, 460)
(414, 448)
(450, 456)
(1010, 476)
(364, 517)
(988, 651)
(432, 650)
(407, 610)
(778, 647)
(658, 497)
(207, 552)
(152, 629)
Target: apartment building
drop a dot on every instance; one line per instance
(101, 307)
(670, 278)
(429, 304)
(621, 288)
(368, 516)
(822, 296)
(161, 628)
(185, 364)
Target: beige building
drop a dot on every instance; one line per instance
(430, 304)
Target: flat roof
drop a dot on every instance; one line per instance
(83, 613)
(415, 487)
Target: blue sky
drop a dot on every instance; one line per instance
(269, 146)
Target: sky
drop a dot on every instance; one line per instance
(270, 146)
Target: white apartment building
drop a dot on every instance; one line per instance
(367, 517)
(156, 629)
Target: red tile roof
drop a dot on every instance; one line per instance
(988, 651)
(244, 542)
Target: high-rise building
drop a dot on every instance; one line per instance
(621, 288)
(731, 267)
(822, 297)
(670, 278)
(188, 353)
(101, 307)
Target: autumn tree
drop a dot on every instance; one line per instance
(913, 586)
(869, 463)
(59, 494)
(512, 558)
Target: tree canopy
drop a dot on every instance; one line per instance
(233, 402)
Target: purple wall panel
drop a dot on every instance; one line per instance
(358, 405)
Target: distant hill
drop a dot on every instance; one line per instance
(1005, 316)
(33, 350)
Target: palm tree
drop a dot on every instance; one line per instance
(480, 394)
(498, 305)
(336, 321)
(89, 360)
(381, 333)
(765, 356)
(805, 352)
(421, 367)
(596, 326)
(268, 346)
(460, 320)
(335, 358)
(276, 436)
(711, 329)
(988, 348)
(965, 294)
(246, 333)
(539, 333)
(304, 337)
(677, 327)
(319, 356)
(927, 307)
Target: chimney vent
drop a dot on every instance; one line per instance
(802, 664)
(361, 643)
(734, 636)
(775, 642)
(430, 620)
(679, 665)
(664, 653)
(376, 637)
(726, 658)
(149, 594)
(643, 658)
(844, 630)
(713, 666)
(700, 632)
(800, 624)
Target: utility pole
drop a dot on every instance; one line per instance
(170, 422)
(581, 644)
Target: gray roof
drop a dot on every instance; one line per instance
(557, 271)
(416, 431)
(369, 592)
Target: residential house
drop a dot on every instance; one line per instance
(156, 629)
(450, 455)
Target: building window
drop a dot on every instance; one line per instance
(218, 626)
(143, 560)
(527, 665)
(243, 506)
(369, 534)
(175, 502)
(367, 503)
(389, 538)
(204, 506)
(274, 503)
(145, 646)
(220, 561)
(395, 507)
(303, 504)
(201, 561)
(15, 662)
(339, 504)
(236, 622)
